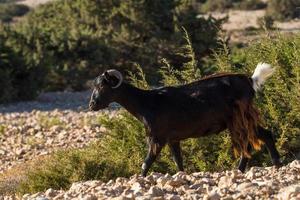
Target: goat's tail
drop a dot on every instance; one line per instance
(260, 75)
(243, 128)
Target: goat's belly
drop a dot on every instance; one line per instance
(194, 130)
(188, 124)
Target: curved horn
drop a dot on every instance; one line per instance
(116, 74)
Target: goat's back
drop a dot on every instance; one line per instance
(225, 85)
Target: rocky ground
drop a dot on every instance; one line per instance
(257, 183)
(54, 121)
(60, 120)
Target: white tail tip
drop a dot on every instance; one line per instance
(260, 75)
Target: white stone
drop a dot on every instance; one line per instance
(287, 192)
(225, 182)
(155, 191)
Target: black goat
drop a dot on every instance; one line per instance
(203, 107)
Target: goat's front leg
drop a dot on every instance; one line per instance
(153, 151)
(244, 161)
(176, 152)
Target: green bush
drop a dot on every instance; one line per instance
(19, 79)
(65, 43)
(283, 9)
(216, 5)
(266, 22)
(78, 39)
(223, 5)
(252, 5)
(10, 10)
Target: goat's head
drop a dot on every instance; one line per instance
(104, 86)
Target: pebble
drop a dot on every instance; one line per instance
(43, 126)
(227, 185)
(155, 191)
(225, 182)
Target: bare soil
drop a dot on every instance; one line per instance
(33, 3)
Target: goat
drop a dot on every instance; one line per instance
(207, 106)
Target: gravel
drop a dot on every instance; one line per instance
(257, 183)
(58, 120)
(55, 120)
(76, 101)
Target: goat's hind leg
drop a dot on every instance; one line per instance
(267, 137)
(153, 151)
(237, 147)
(176, 152)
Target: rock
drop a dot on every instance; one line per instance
(38, 194)
(56, 128)
(161, 181)
(136, 187)
(174, 197)
(41, 198)
(20, 152)
(245, 185)
(234, 174)
(50, 192)
(25, 196)
(89, 197)
(295, 164)
(227, 198)
(214, 195)
(59, 197)
(208, 181)
(288, 192)
(110, 182)
(76, 187)
(127, 192)
(253, 173)
(155, 175)
(121, 180)
(2, 152)
(155, 191)
(176, 182)
(225, 182)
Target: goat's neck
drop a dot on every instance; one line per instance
(132, 99)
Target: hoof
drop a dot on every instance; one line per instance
(144, 174)
(242, 169)
(277, 163)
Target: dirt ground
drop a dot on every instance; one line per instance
(33, 3)
(240, 21)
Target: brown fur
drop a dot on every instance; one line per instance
(243, 128)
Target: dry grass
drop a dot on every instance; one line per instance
(11, 179)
